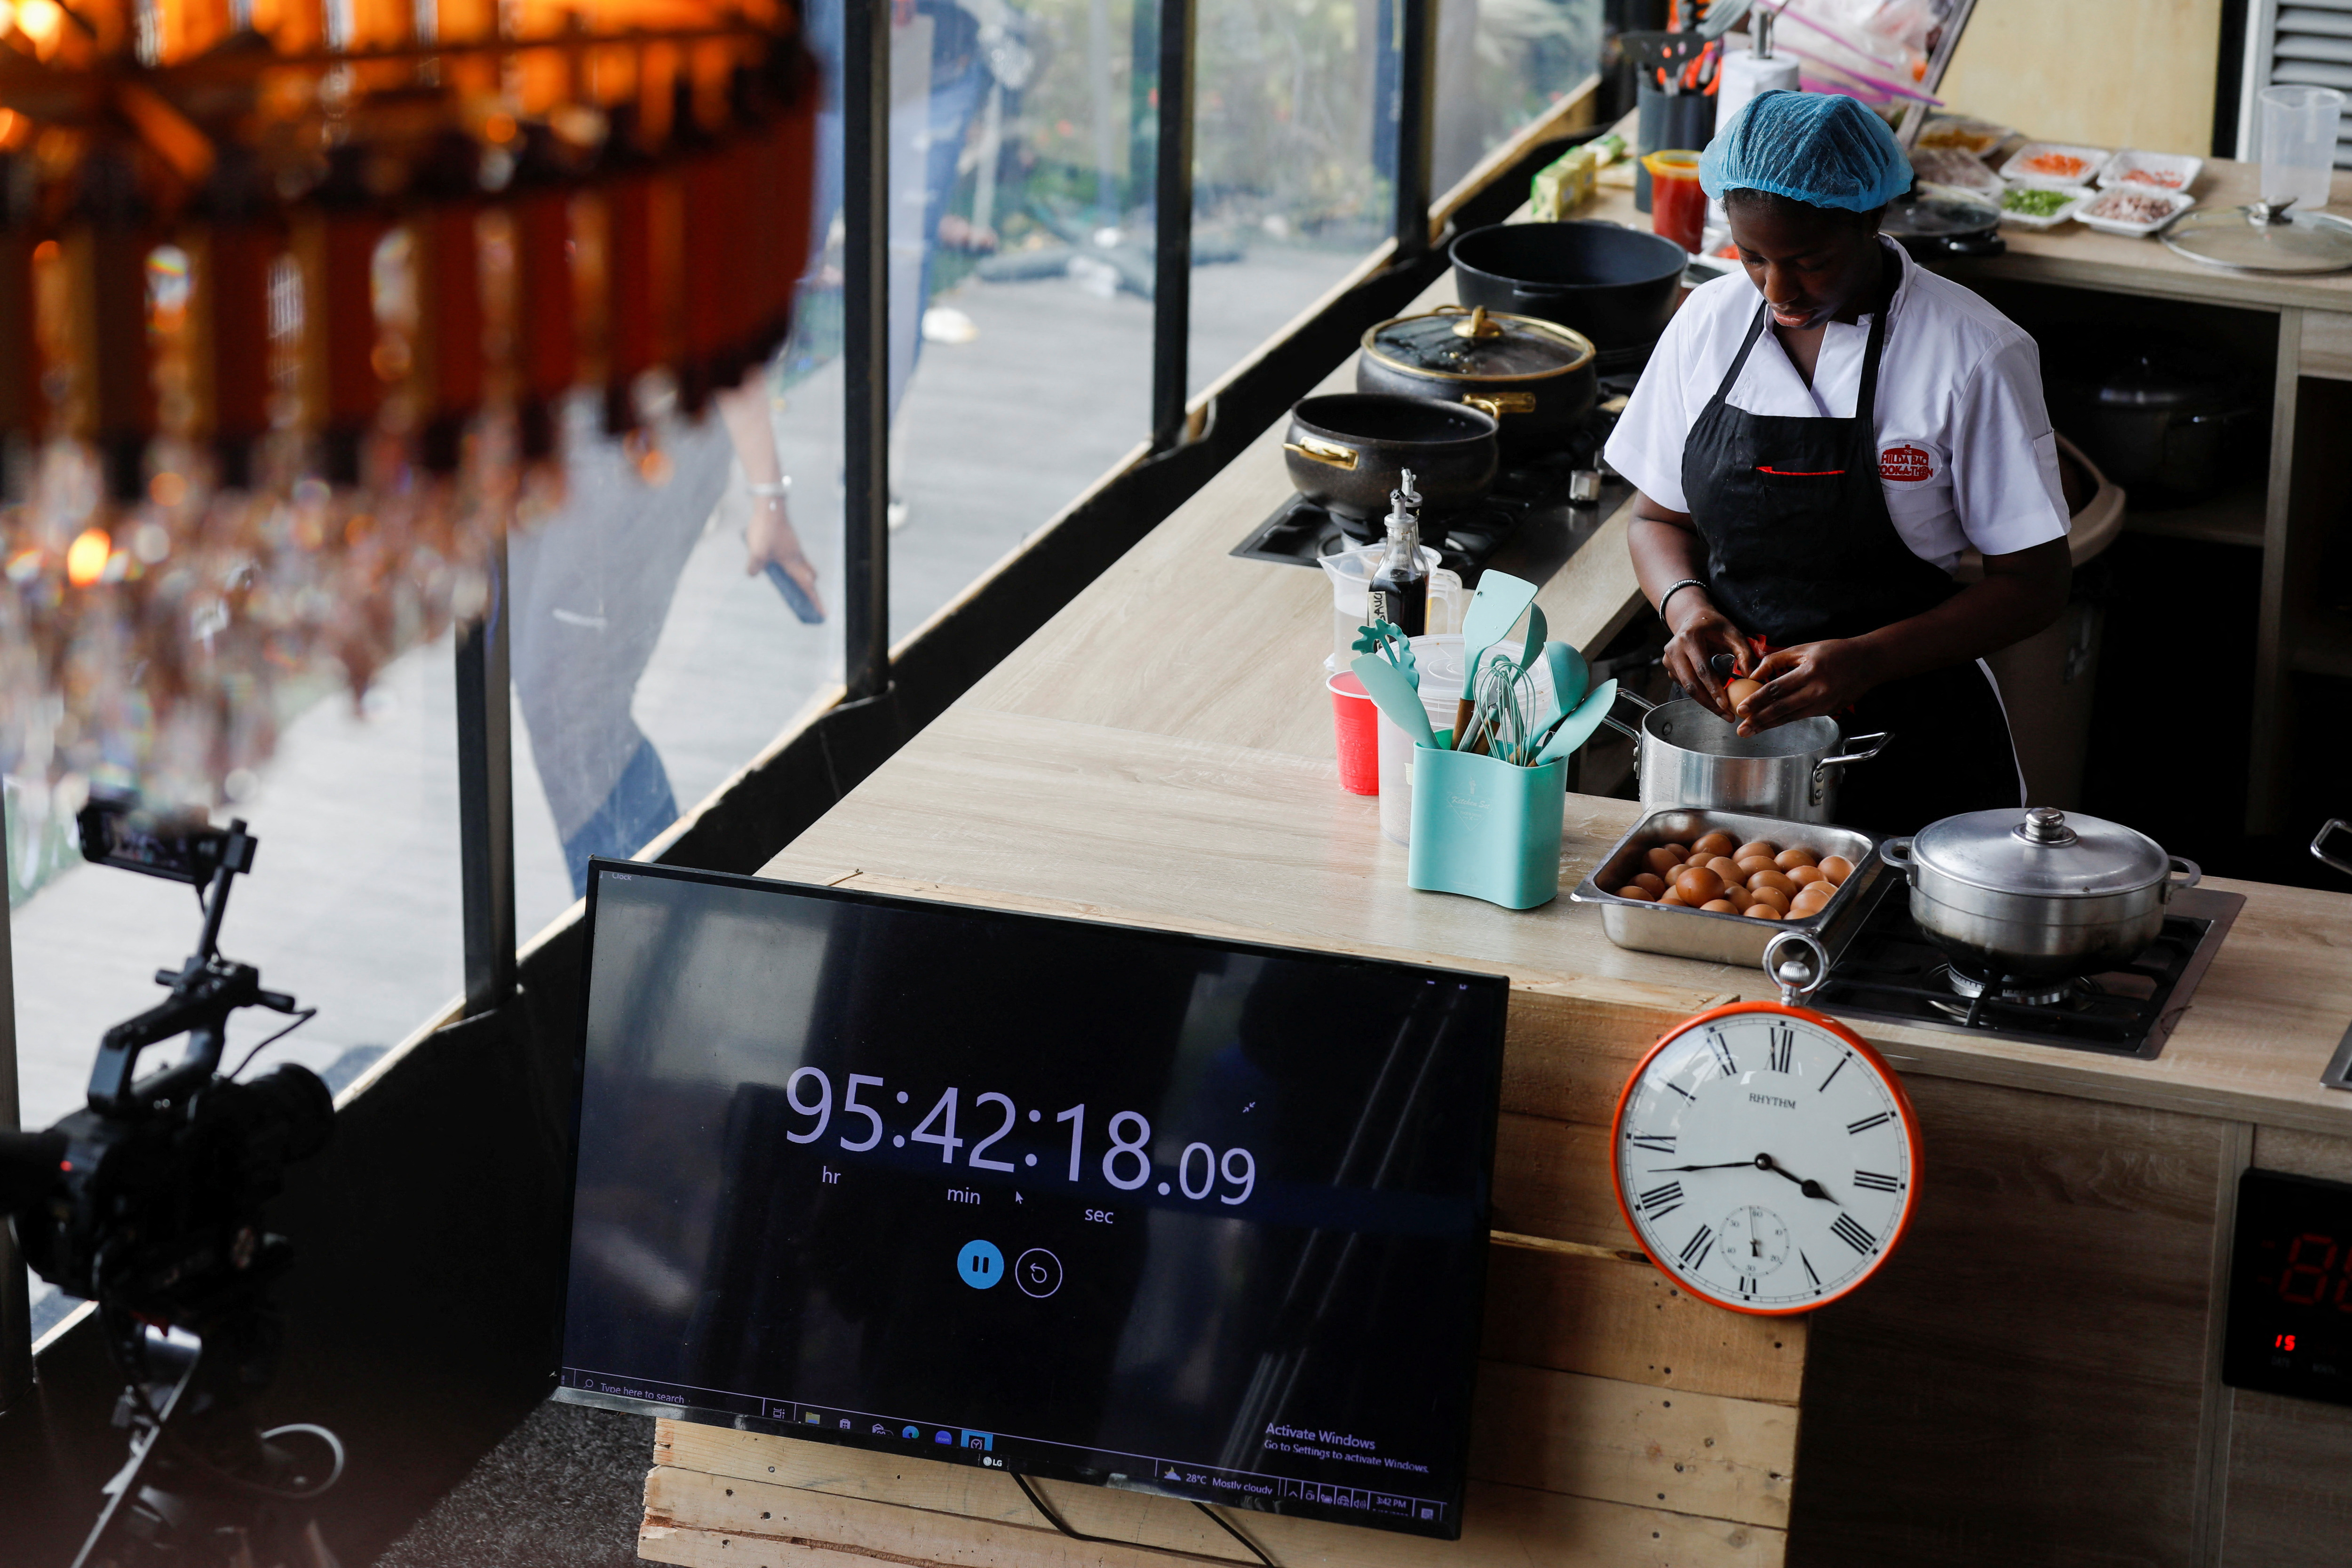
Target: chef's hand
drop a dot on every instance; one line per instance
(1809, 680)
(1700, 633)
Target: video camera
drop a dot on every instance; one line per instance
(148, 1201)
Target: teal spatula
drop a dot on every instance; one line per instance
(1496, 608)
(1578, 727)
(1394, 696)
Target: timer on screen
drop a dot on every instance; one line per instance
(1201, 1172)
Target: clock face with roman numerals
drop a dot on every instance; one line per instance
(1767, 1157)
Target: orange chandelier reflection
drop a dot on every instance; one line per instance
(297, 303)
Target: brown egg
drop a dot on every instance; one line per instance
(1774, 897)
(1697, 859)
(1630, 891)
(1789, 860)
(1740, 690)
(1837, 869)
(1751, 864)
(1682, 851)
(1805, 875)
(1722, 866)
(1651, 883)
(1721, 906)
(1738, 894)
(1807, 903)
(1716, 842)
(1698, 885)
(1674, 898)
(1663, 860)
(1755, 846)
(1776, 879)
(1760, 910)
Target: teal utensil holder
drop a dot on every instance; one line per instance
(1485, 828)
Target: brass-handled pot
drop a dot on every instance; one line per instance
(2038, 894)
(1537, 378)
(1348, 450)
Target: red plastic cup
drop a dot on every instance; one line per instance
(1356, 730)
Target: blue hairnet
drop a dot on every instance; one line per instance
(1821, 148)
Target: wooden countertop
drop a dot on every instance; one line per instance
(1160, 754)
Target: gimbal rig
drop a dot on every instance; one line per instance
(148, 1201)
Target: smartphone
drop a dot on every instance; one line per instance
(796, 595)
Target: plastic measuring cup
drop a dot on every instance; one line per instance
(1352, 734)
(2298, 142)
(1350, 572)
(1677, 201)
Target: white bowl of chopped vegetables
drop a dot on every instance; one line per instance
(2041, 206)
(2134, 209)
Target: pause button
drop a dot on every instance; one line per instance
(980, 1265)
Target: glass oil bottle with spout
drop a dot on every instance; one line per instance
(1399, 593)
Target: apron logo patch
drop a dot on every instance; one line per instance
(1908, 465)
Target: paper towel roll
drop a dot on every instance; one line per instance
(1743, 76)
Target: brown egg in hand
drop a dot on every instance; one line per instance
(1837, 869)
(1698, 885)
(1741, 689)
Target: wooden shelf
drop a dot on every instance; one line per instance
(2322, 645)
(2234, 517)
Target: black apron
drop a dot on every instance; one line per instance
(1800, 548)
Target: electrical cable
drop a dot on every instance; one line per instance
(303, 1017)
(1055, 1520)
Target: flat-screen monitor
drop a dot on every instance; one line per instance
(1075, 1200)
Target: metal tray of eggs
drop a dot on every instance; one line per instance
(1723, 936)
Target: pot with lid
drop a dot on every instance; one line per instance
(1935, 222)
(2170, 423)
(1687, 756)
(2038, 894)
(1536, 377)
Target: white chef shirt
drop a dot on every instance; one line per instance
(1965, 453)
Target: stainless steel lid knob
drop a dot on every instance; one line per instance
(2045, 824)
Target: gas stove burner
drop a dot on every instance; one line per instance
(1890, 971)
(2061, 996)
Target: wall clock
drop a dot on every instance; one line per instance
(1765, 1156)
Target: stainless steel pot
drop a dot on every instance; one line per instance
(1686, 755)
(2038, 894)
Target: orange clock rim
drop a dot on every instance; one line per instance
(1869, 1052)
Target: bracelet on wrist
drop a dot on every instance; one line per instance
(770, 490)
(1667, 597)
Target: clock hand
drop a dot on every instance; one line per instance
(1726, 1165)
(1806, 1185)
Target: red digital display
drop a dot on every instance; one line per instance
(2290, 1288)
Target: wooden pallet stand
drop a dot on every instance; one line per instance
(1617, 1420)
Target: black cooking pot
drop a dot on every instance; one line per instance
(1616, 286)
(2170, 423)
(1935, 223)
(1348, 449)
(1536, 377)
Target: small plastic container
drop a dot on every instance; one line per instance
(2136, 170)
(2094, 211)
(2075, 196)
(1677, 201)
(2059, 163)
(1353, 736)
(2297, 126)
